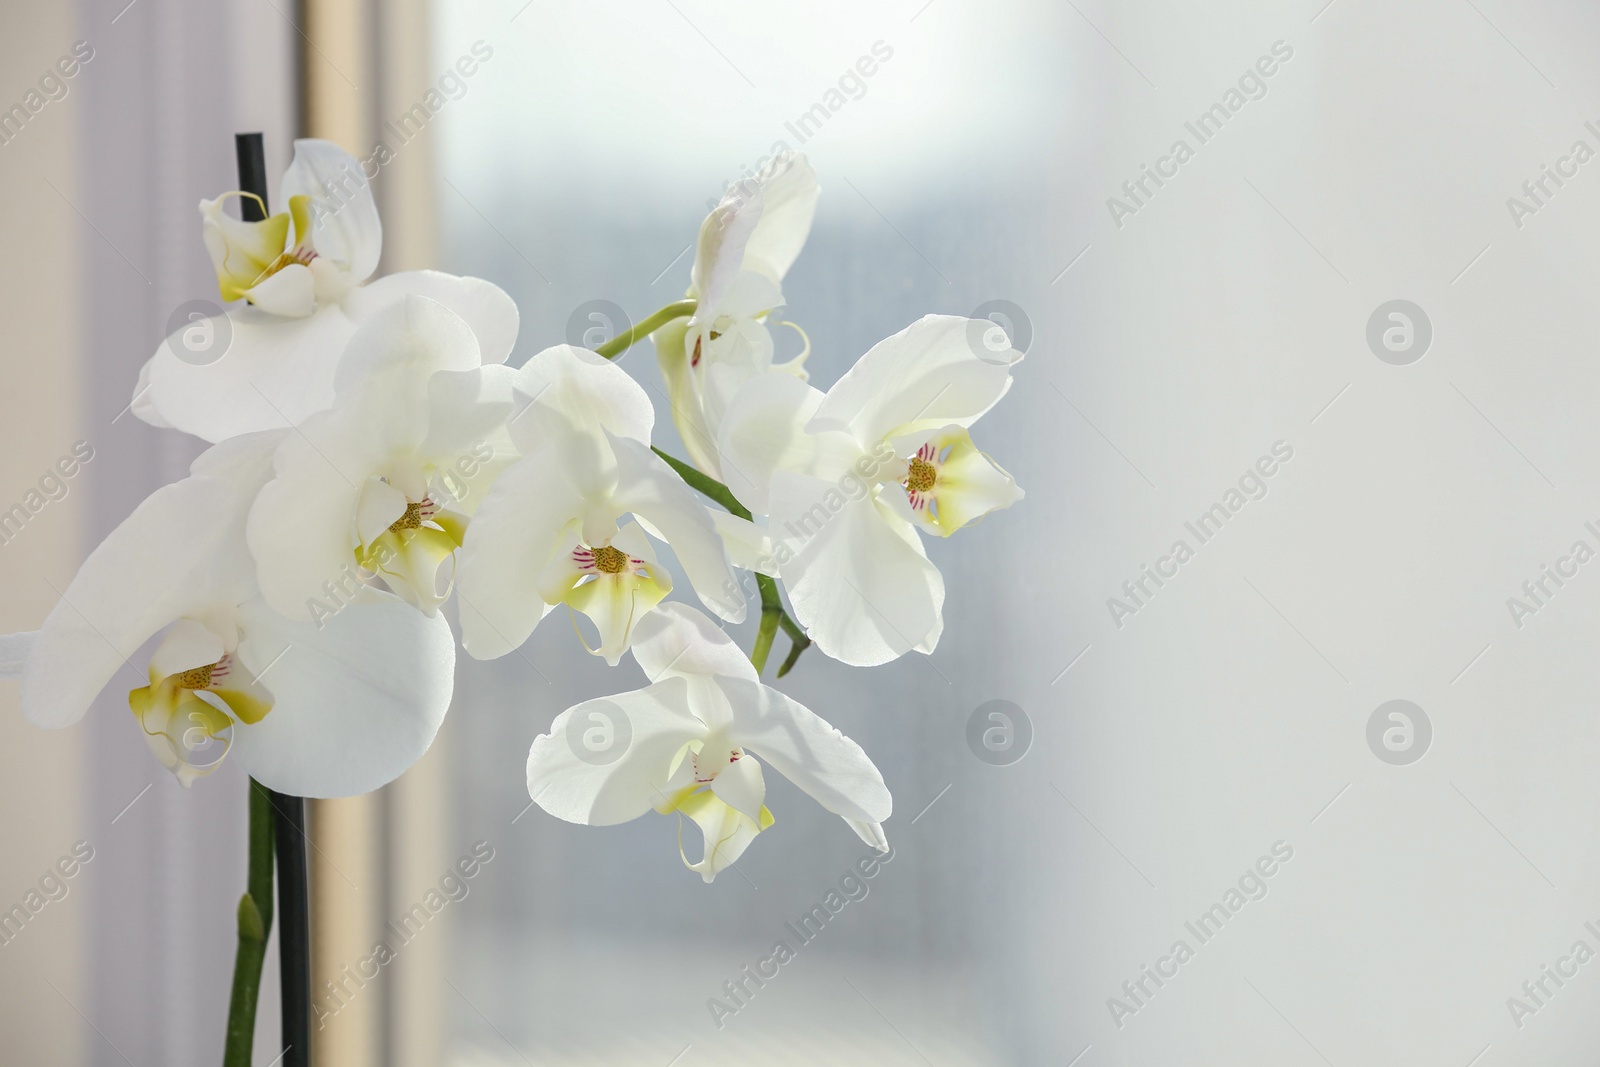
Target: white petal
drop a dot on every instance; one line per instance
(302, 526)
(870, 832)
(355, 702)
(466, 409)
(789, 202)
(187, 644)
(749, 546)
(344, 217)
(274, 372)
(740, 786)
(801, 746)
(142, 406)
(14, 650)
(935, 372)
(676, 641)
(240, 251)
(719, 249)
(159, 565)
(377, 508)
(490, 313)
(683, 395)
(289, 292)
(859, 580)
(575, 390)
(727, 831)
(648, 487)
(401, 345)
(765, 431)
(607, 761)
(516, 531)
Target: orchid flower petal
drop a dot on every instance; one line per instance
(740, 786)
(517, 530)
(241, 252)
(789, 203)
(179, 553)
(14, 651)
(402, 345)
(276, 371)
(765, 431)
(749, 546)
(798, 744)
(616, 600)
(935, 372)
(859, 580)
(688, 744)
(574, 389)
(727, 831)
(355, 701)
(950, 484)
(573, 774)
(676, 641)
(486, 308)
(290, 292)
(344, 216)
(648, 487)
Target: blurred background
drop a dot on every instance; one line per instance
(1354, 312)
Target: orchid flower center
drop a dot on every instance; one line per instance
(411, 520)
(694, 360)
(197, 677)
(609, 560)
(417, 513)
(708, 765)
(299, 254)
(921, 476)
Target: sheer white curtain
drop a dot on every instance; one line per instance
(102, 245)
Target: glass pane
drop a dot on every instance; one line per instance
(578, 168)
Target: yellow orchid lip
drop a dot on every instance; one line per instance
(180, 725)
(245, 254)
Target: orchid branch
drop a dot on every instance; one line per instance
(772, 613)
(255, 923)
(648, 325)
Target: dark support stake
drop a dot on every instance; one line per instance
(294, 900)
(294, 929)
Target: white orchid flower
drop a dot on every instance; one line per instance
(304, 273)
(366, 483)
(551, 530)
(746, 246)
(689, 743)
(330, 711)
(848, 478)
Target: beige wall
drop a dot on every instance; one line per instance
(40, 773)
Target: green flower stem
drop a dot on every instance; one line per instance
(798, 636)
(764, 636)
(255, 923)
(772, 613)
(645, 327)
(705, 485)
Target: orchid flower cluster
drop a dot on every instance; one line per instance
(372, 457)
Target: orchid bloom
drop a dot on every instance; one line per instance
(689, 742)
(364, 488)
(551, 530)
(314, 711)
(304, 275)
(848, 478)
(746, 246)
